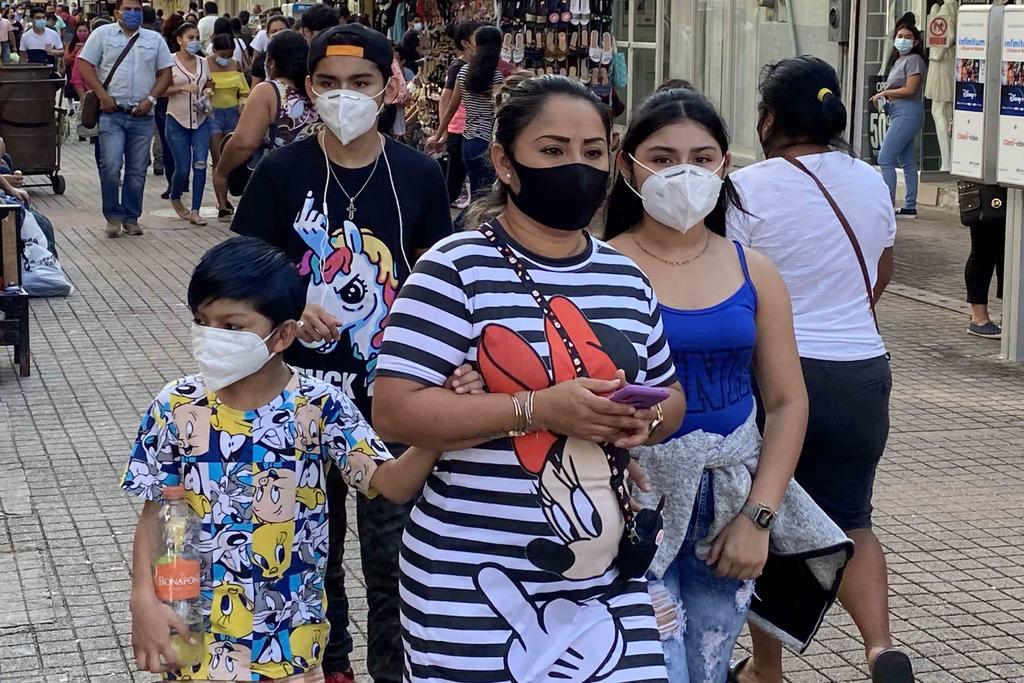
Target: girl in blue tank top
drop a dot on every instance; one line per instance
(726, 314)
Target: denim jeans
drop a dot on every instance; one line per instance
(380, 523)
(224, 121)
(189, 149)
(478, 165)
(699, 615)
(124, 143)
(5, 52)
(906, 119)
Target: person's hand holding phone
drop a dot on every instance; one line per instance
(579, 408)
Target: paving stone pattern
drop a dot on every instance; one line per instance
(948, 500)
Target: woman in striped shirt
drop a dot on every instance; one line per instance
(475, 87)
(509, 559)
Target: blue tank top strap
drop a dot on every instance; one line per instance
(743, 263)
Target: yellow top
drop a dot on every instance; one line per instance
(228, 88)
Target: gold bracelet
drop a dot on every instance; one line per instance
(529, 411)
(517, 428)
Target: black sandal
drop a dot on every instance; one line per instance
(734, 670)
(892, 666)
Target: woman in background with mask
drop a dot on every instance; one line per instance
(725, 308)
(277, 112)
(842, 353)
(188, 123)
(515, 541)
(229, 90)
(904, 103)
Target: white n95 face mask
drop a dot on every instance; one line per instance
(347, 113)
(226, 356)
(680, 196)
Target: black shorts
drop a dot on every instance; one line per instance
(847, 429)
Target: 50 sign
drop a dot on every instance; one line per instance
(878, 122)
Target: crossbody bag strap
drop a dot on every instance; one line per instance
(849, 233)
(120, 58)
(519, 268)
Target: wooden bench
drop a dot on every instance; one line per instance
(14, 327)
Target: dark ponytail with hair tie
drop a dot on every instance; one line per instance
(803, 94)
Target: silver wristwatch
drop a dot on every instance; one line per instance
(761, 515)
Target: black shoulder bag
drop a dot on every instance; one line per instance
(642, 533)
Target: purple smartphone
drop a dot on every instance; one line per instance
(640, 397)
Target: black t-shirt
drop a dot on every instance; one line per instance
(259, 65)
(353, 269)
(453, 73)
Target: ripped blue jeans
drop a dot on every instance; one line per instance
(699, 615)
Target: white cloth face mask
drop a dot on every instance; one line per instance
(348, 113)
(680, 196)
(226, 356)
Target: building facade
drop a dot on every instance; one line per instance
(721, 46)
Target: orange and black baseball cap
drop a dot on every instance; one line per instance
(351, 40)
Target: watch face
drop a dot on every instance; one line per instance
(764, 518)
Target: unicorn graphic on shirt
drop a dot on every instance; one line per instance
(352, 275)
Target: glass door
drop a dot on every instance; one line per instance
(642, 34)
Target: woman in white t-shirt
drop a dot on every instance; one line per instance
(842, 354)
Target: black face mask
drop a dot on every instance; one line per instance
(561, 197)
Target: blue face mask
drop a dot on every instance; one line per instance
(39, 23)
(193, 47)
(131, 18)
(223, 61)
(903, 45)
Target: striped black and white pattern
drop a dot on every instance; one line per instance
(474, 608)
(479, 108)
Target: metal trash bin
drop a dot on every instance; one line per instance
(29, 117)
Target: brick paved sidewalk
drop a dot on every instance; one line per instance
(949, 493)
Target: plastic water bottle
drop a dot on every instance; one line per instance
(176, 579)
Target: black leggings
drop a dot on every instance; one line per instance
(456, 175)
(988, 242)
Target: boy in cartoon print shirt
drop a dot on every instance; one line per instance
(251, 444)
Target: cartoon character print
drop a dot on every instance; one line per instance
(572, 475)
(271, 661)
(231, 613)
(308, 643)
(270, 430)
(223, 661)
(227, 549)
(310, 493)
(192, 425)
(272, 548)
(308, 427)
(560, 640)
(231, 498)
(272, 609)
(274, 497)
(352, 275)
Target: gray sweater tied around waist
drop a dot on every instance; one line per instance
(807, 551)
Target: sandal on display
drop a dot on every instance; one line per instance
(607, 48)
(595, 47)
(506, 47)
(519, 51)
(563, 47)
(549, 46)
(574, 72)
